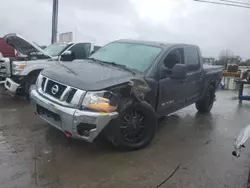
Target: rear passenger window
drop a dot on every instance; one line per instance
(192, 58)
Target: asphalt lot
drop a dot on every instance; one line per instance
(32, 154)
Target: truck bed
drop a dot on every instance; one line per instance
(212, 68)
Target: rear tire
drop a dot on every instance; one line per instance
(134, 128)
(206, 103)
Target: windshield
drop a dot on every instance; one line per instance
(55, 49)
(134, 56)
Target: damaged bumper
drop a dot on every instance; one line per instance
(15, 84)
(11, 85)
(75, 123)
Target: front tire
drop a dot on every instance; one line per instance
(134, 128)
(206, 103)
(31, 81)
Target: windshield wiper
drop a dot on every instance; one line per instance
(95, 60)
(124, 67)
(120, 66)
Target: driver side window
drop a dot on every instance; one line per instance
(174, 57)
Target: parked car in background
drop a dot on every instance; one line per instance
(7, 52)
(122, 90)
(3, 69)
(1, 61)
(22, 72)
(96, 48)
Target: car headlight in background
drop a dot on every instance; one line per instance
(103, 101)
(17, 67)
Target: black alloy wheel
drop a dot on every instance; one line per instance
(134, 126)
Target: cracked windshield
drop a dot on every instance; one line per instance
(125, 93)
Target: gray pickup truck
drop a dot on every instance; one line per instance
(22, 72)
(123, 89)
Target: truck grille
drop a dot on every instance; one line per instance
(58, 92)
(43, 82)
(55, 89)
(2, 67)
(5, 67)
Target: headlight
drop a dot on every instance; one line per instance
(103, 101)
(17, 67)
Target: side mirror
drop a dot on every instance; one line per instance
(67, 56)
(179, 71)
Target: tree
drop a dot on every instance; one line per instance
(226, 57)
(245, 63)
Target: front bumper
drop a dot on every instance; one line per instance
(70, 120)
(11, 85)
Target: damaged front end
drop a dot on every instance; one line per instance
(137, 88)
(82, 114)
(111, 101)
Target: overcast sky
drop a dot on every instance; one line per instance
(212, 27)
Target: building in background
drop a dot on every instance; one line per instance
(66, 37)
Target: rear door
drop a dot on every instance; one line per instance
(195, 73)
(171, 91)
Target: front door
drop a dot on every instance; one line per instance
(172, 92)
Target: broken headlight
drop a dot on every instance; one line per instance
(102, 101)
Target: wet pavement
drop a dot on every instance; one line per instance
(197, 147)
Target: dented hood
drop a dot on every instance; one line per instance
(88, 75)
(23, 46)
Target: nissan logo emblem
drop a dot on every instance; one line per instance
(54, 89)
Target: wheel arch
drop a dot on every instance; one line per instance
(34, 72)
